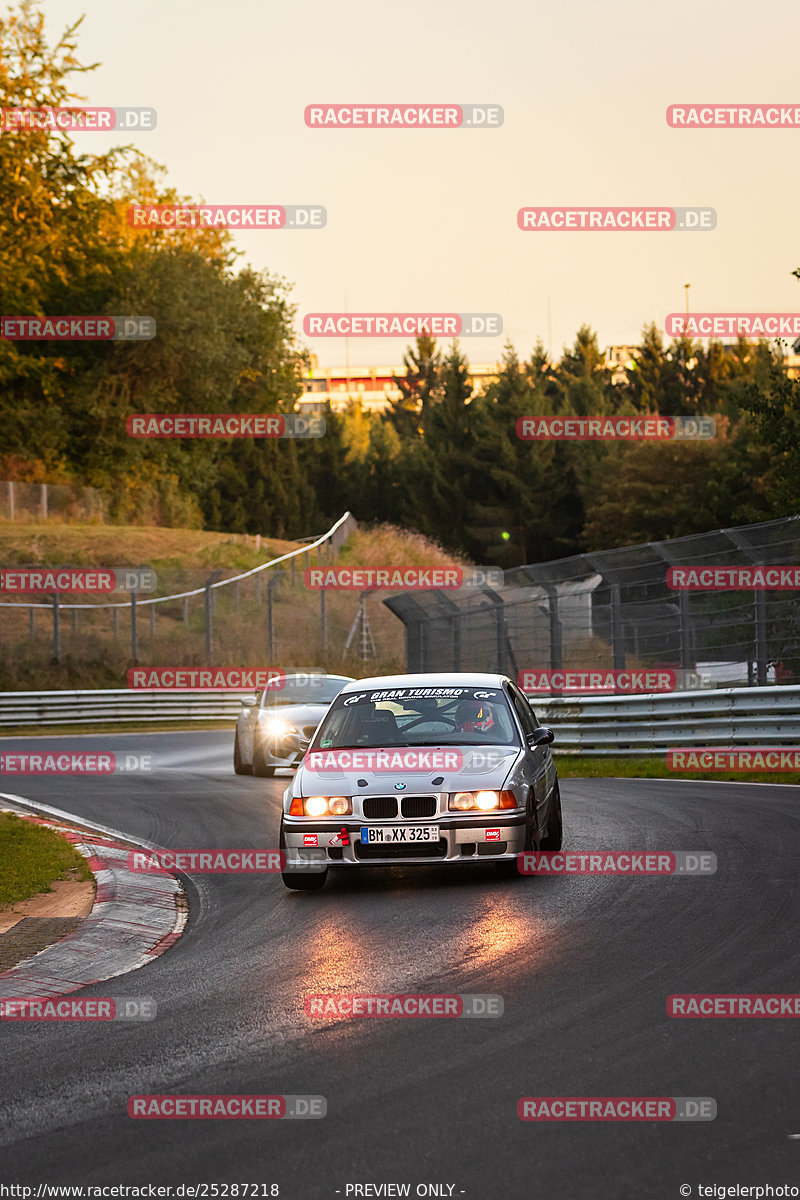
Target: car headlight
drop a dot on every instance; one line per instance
(481, 801)
(277, 728)
(321, 806)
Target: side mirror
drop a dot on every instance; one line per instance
(249, 701)
(542, 737)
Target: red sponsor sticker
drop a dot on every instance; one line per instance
(310, 839)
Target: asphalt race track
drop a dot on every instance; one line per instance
(584, 967)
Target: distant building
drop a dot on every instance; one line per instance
(373, 386)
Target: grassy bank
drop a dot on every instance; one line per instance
(574, 766)
(32, 858)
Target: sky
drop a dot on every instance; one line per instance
(425, 220)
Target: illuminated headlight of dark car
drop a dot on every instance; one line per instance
(481, 801)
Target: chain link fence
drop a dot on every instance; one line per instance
(614, 609)
(198, 617)
(51, 502)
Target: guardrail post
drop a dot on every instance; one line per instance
(74, 620)
(56, 630)
(32, 624)
(134, 635)
(11, 505)
(760, 616)
(617, 630)
(687, 663)
(186, 610)
(152, 620)
(44, 501)
(115, 620)
(270, 628)
(209, 623)
(556, 646)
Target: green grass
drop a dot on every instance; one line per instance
(579, 766)
(32, 858)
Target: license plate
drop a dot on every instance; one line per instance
(394, 834)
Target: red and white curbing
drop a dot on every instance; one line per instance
(135, 918)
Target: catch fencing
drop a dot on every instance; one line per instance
(613, 609)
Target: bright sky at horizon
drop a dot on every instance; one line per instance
(426, 220)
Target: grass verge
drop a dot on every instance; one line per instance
(32, 858)
(578, 766)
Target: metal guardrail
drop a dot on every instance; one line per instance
(601, 725)
(115, 707)
(650, 725)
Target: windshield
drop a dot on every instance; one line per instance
(316, 689)
(424, 716)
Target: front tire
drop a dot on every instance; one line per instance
(239, 767)
(261, 767)
(555, 828)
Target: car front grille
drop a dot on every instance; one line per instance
(418, 806)
(379, 806)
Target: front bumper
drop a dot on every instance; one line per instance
(461, 839)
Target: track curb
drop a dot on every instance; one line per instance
(135, 917)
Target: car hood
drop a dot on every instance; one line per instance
(296, 714)
(479, 769)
